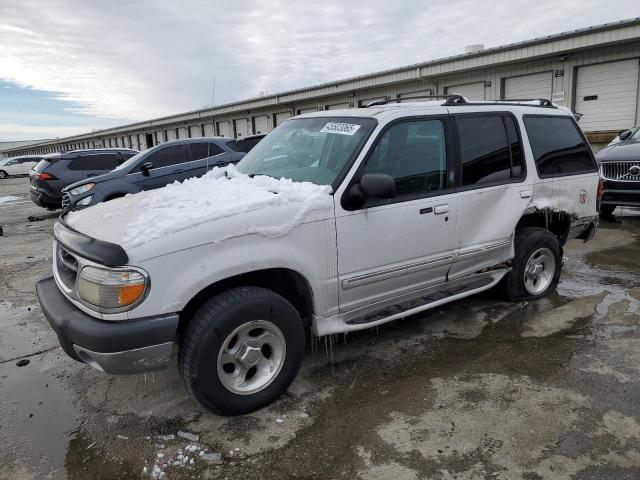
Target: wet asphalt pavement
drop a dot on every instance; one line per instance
(478, 389)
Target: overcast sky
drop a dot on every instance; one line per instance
(70, 66)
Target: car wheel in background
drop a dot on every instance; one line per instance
(537, 265)
(241, 350)
(3, 174)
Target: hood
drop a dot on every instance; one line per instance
(619, 152)
(221, 205)
(97, 179)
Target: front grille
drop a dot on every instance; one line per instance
(620, 171)
(67, 267)
(66, 200)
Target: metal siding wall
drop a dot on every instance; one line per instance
(209, 130)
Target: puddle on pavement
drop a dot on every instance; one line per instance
(21, 334)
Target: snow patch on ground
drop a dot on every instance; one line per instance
(9, 199)
(221, 193)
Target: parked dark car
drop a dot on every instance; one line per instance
(620, 170)
(154, 168)
(57, 170)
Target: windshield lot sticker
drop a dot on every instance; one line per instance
(340, 128)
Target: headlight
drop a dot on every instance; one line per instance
(82, 188)
(111, 289)
(85, 201)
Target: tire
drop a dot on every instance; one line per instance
(3, 174)
(607, 210)
(239, 321)
(533, 246)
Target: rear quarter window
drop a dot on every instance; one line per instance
(558, 146)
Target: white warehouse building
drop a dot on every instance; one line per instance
(594, 71)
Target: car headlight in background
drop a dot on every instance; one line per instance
(82, 188)
(111, 289)
(85, 201)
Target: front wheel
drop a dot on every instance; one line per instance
(3, 174)
(241, 350)
(537, 265)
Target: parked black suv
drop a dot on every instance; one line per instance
(620, 170)
(154, 168)
(57, 170)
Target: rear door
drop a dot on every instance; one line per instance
(492, 196)
(167, 166)
(201, 154)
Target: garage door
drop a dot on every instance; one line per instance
(421, 93)
(224, 128)
(338, 106)
(171, 134)
(307, 110)
(536, 85)
(182, 132)
(607, 95)
(195, 131)
(281, 117)
(472, 91)
(208, 130)
(261, 124)
(242, 127)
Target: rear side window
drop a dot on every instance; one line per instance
(558, 148)
(167, 156)
(203, 150)
(96, 161)
(489, 149)
(42, 165)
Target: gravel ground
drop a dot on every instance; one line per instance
(478, 389)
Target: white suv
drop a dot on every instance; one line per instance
(336, 221)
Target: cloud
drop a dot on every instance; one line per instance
(142, 59)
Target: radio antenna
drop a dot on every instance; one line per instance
(213, 126)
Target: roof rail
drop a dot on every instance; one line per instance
(455, 99)
(543, 102)
(401, 99)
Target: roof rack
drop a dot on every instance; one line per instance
(455, 99)
(402, 99)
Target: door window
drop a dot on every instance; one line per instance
(167, 156)
(414, 154)
(484, 150)
(201, 150)
(99, 161)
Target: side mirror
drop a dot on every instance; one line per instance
(378, 185)
(624, 135)
(145, 167)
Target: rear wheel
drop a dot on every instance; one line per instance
(3, 174)
(607, 210)
(241, 350)
(537, 265)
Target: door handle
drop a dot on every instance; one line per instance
(440, 209)
(526, 194)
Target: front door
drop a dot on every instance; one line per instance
(388, 251)
(167, 166)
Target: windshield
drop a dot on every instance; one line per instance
(308, 149)
(636, 136)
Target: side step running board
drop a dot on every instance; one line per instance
(445, 294)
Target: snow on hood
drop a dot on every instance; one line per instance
(221, 193)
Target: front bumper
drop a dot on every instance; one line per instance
(623, 194)
(114, 347)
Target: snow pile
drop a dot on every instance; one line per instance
(221, 193)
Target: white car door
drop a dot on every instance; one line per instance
(493, 193)
(389, 250)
